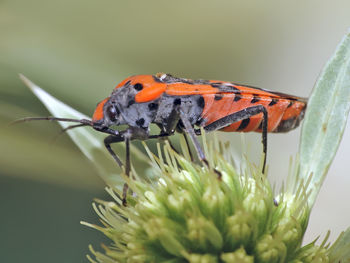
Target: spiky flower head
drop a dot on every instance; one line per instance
(190, 214)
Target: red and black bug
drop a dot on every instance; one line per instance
(184, 105)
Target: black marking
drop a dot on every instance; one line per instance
(127, 83)
(138, 86)
(216, 84)
(287, 125)
(273, 102)
(177, 101)
(286, 96)
(243, 124)
(218, 96)
(200, 121)
(237, 97)
(290, 104)
(152, 106)
(140, 122)
(279, 94)
(255, 99)
(233, 88)
(180, 125)
(225, 88)
(201, 102)
(131, 102)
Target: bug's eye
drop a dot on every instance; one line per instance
(112, 113)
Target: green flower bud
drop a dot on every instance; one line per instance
(204, 233)
(289, 231)
(241, 229)
(313, 254)
(270, 250)
(239, 255)
(205, 258)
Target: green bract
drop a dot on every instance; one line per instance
(325, 118)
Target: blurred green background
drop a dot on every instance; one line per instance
(79, 50)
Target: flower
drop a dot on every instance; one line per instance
(189, 214)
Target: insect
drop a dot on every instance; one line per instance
(184, 105)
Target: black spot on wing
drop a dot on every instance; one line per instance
(237, 97)
(284, 95)
(229, 89)
(255, 99)
(273, 102)
(216, 84)
(138, 86)
(218, 96)
(243, 124)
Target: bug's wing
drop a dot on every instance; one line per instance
(217, 87)
(245, 89)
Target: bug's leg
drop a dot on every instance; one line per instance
(127, 168)
(126, 136)
(169, 126)
(113, 139)
(264, 138)
(172, 146)
(191, 132)
(188, 146)
(242, 115)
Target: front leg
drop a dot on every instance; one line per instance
(114, 139)
(132, 133)
(129, 134)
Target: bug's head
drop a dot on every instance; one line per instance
(133, 102)
(106, 114)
